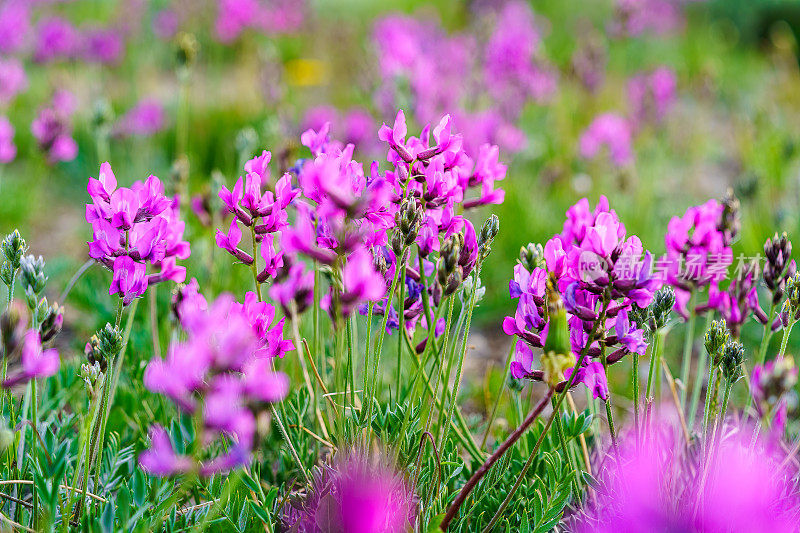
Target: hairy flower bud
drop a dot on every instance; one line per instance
(732, 358)
(33, 276)
(408, 219)
(13, 247)
(716, 339)
(779, 267)
(489, 231)
(531, 257)
(791, 307)
(52, 321)
(660, 309)
(7, 272)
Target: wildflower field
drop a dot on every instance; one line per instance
(346, 266)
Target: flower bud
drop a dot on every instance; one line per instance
(94, 354)
(52, 322)
(716, 339)
(771, 382)
(33, 276)
(531, 257)
(663, 301)
(7, 272)
(779, 267)
(187, 50)
(732, 358)
(109, 341)
(730, 223)
(13, 247)
(489, 230)
(466, 294)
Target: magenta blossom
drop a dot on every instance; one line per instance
(8, 151)
(609, 131)
(224, 367)
(160, 459)
(52, 128)
(12, 79)
(357, 496)
(651, 95)
(36, 363)
(133, 227)
(144, 119)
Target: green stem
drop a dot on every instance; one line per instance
(402, 316)
(500, 392)
(699, 375)
(653, 364)
(400, 262)
(785, 339)
(567, 455)
(687, 349)
(766, 335)
(711, 390)
(288, 440)
(635, 378)
(465, 345)
(34, 445)
(592, 337)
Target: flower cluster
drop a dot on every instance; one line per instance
(359, 224)
(145, 118)
(445, 72)
(234, 16)
(610, 131)
(699, 251)
(355, 496)
(662, 487)
(651, 95)
(223, 370)
(600, 273)
(132, 227)
(52, 128)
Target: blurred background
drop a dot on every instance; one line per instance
(657, 104)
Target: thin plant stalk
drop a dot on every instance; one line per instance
(592, 334)
(700, 373)
(499, 392)
(484, 468)
(688, 343)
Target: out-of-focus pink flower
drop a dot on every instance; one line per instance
(57, 39)
(160, 459)
(12, 79)
(651, 95)
(145, 118)
(224, 366)
(52, 128)
(276, 16)
(640, 17)
(660, 486)
(36, 363)
(15, 25)
(103, 45)
(8, 151)
(355, 496)
(610, 131)
(166, 23)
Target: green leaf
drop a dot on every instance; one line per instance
(433, 525)
(107, 519)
